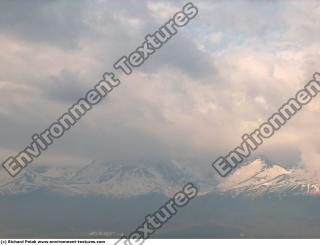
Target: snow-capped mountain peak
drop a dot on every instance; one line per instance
(259, 178)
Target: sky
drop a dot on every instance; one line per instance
(221, 76)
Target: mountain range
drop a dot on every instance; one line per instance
(256, 178)
(259, 199)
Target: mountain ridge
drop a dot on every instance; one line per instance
(100, 179)
(253, 179)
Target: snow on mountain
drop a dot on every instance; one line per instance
(117, 180)
(255, 179)
(30, 180)
(259, 178)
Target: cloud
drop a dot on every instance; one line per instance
(55, 22)
(220, 77)
(65, 87)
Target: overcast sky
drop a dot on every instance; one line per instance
(221, 76)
